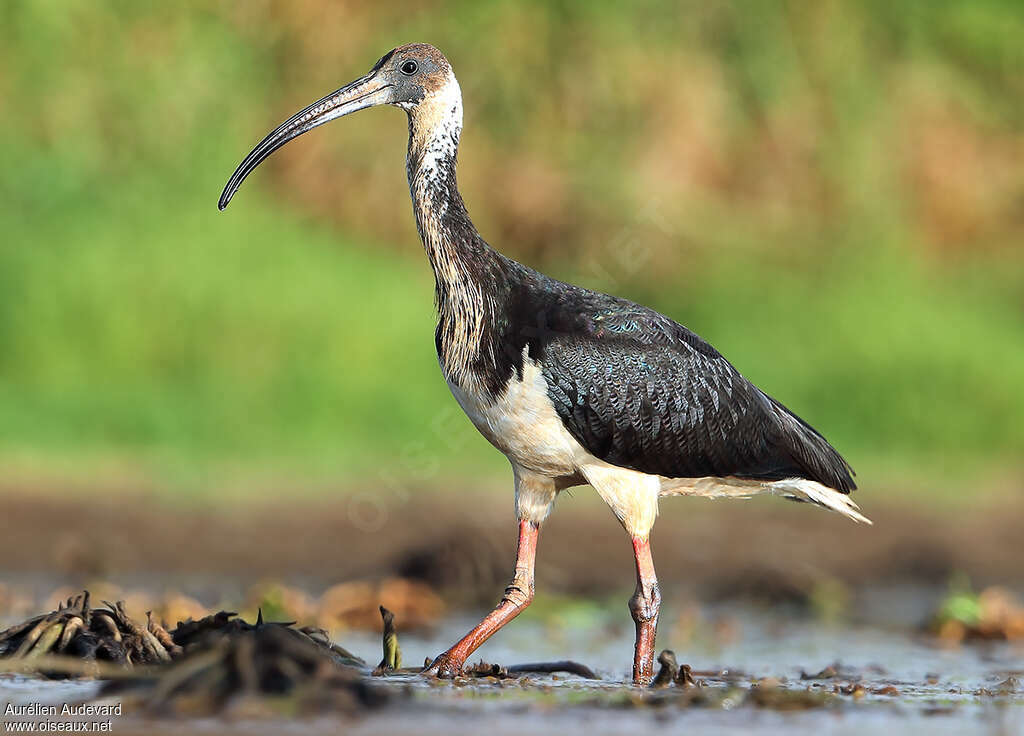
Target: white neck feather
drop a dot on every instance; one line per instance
(435, 125)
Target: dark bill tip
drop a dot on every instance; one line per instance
(350, 98)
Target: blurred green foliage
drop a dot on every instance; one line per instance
(963, 607)
(832, 193)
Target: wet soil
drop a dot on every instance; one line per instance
(765, 549)
(775, 674)
(749, 590)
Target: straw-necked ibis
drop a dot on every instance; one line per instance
(573, 386)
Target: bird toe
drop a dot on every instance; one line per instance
(445, 667)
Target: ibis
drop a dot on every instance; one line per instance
(575, 387)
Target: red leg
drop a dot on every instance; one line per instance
(644, 607)
(517, 596)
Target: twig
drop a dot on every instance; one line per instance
(547, 668)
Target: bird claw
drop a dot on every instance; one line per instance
(444, 666)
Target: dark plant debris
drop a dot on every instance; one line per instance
(77, 630)
(672, 673)
(499, 672)
(232, 661)
(198, 666)
(669, 671)
(109, 635)
(566, 666)
(684, 678)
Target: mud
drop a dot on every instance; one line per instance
(782, 619)
(774, 673)
(464, 543)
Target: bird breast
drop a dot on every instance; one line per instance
(522, 422)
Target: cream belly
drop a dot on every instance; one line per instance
(523, 424)
(545, 458)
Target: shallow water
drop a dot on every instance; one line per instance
(940, 690)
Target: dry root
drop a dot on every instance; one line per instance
(109, 635)
(226, 660)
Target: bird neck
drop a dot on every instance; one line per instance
(464, 265)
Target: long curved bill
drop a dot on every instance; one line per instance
(364, 92)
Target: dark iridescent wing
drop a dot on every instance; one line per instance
(641, 391)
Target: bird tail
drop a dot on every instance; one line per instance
(794, 489)
(809, 491)
(813, 454)
(800, 489)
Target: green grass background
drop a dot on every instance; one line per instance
(831, 193)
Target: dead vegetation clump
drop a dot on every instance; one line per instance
(268, 666)
(200, 666)
(77, 630)
(220, 662)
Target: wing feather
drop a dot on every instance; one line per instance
(641, 391)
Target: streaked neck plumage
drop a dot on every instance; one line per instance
(462, 262)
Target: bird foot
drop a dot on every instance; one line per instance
(446, 666)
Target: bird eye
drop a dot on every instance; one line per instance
(409, 67)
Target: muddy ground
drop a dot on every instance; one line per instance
(774, 675)
(755, 592)
(465, 542)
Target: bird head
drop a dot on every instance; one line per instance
(415, 77)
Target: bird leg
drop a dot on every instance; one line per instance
(644, 607)
(517, 596)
